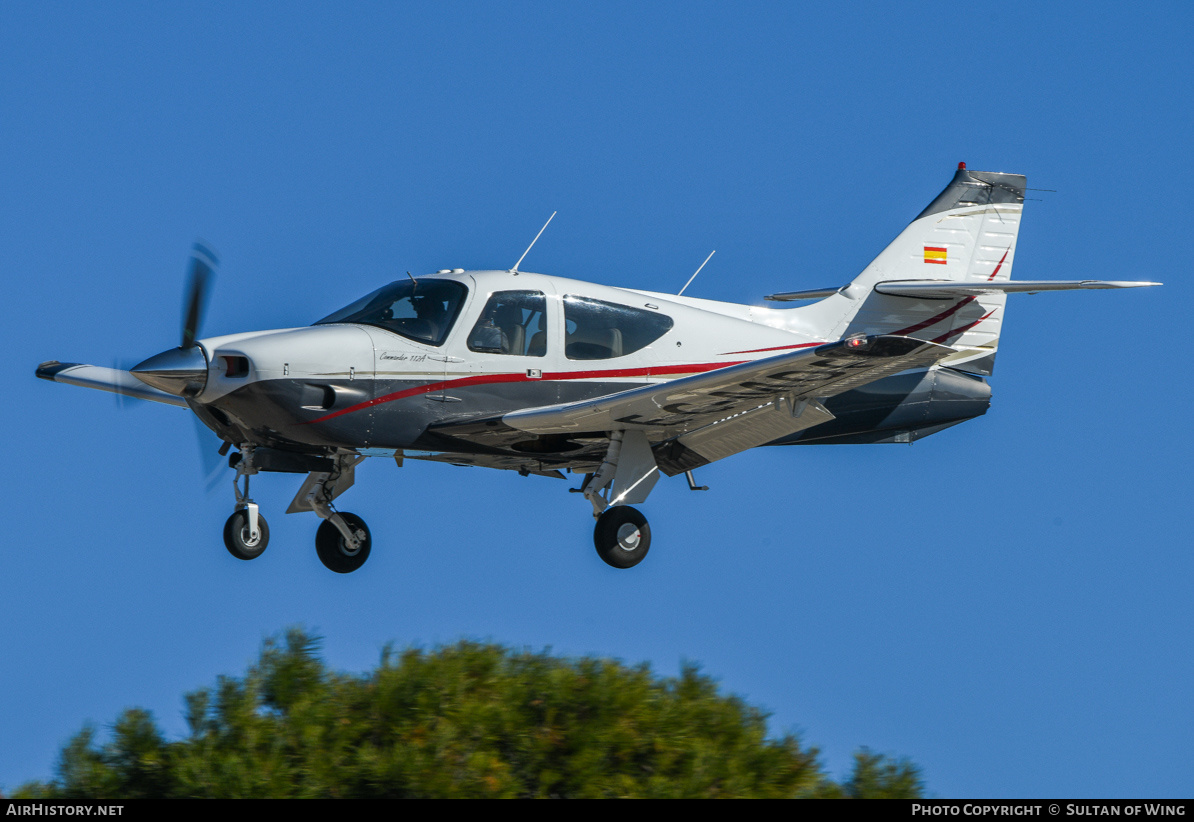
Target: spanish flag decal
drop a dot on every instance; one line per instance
(935, 254)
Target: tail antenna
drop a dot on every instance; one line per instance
(514, 270)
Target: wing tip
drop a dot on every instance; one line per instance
(49, 369)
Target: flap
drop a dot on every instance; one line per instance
(670, 409)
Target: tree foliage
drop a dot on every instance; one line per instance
(467, 720)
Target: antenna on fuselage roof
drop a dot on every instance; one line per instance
(698, 271)
(514, 270)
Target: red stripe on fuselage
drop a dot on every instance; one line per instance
(489, 379)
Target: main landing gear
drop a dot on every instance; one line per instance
(627, 474)
(339, 553)
(622, 536)
(342, 542)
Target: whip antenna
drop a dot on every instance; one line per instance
(698, 271)
(514, 270)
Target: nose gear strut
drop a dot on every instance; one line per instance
(246, 533)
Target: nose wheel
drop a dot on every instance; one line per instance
(239, 538)
(622, 536)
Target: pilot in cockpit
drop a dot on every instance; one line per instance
(429, 316)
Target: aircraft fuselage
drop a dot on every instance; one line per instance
(365, 387)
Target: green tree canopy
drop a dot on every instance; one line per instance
(467, 720)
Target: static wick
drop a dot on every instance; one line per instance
(698, 271)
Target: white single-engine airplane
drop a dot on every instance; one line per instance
(538, 374)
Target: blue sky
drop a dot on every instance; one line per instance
(1007, 603)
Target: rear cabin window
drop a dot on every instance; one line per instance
(597, 330)
(513, 322)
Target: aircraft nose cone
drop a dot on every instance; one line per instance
(181, 371)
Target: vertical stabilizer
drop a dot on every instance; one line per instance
(968, 233)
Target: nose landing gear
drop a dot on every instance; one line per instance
(239, 538)
(246, 533)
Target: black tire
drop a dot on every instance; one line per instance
(622, 536)
(236, 536)
(332, 550)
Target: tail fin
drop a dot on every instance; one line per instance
(968, 233)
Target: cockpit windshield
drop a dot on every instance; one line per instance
(420, 310)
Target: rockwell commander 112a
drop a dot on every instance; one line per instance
(544, 375)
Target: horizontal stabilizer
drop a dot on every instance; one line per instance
(811, 294)
(112, 380)
(947, 289)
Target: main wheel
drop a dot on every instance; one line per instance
(334, 553)
(237, 539)
(622, 536)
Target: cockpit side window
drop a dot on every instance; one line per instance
(597, 330)
(513, 322)
(420, 310)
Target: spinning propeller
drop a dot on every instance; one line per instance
(183, 371)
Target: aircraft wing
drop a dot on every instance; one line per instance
(722, 412)
(112, 380)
